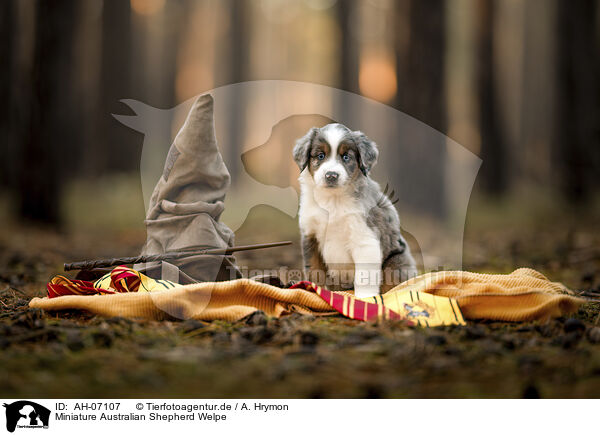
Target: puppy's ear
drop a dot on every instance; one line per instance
(367, 151)
(302, 148)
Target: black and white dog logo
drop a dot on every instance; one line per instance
(26, 414)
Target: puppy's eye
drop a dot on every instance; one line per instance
(346, 157)
(321, 156)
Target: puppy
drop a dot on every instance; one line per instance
(350, 230)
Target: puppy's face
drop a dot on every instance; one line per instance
(334, 155)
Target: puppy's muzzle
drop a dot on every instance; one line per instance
(331, 178)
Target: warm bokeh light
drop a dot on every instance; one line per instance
(377, 77)
(193, 78)
(147, 7)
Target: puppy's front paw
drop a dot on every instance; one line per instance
(366, 291)
(367, 283)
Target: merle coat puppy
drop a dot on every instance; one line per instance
(350, 229)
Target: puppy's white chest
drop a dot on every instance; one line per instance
(336, 252)
(338, 224)
(335, 242)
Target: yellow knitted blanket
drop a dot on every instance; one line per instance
(438, 298)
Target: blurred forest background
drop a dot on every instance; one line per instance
(514, 81)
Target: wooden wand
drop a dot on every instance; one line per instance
(109, 262)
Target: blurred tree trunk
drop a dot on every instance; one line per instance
(49, 128)
(577, 154)
(421, 90)
(493, 148)
(403, 24)
(115, 80)
(6, 31)
(421, 93)
(538, 92)
(239, 55)
(348, 51)
(348, 47)
(86, 84)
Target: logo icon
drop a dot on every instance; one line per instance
(26, 414)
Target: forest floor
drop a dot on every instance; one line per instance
(74, 354)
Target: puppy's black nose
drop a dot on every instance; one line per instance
(331, 177)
